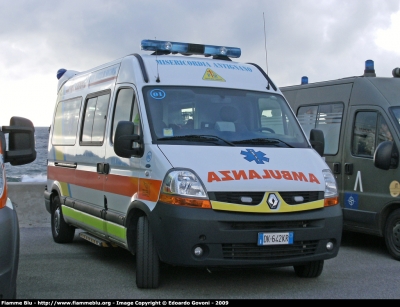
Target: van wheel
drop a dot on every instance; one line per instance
(392, 234)
(309, 270)
(62, 232)
(147, 261)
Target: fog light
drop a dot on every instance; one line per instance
(329, 246)
(198, 251)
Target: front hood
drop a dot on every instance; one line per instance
(259, 169)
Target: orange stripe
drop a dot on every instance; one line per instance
(121, 185)
(60, 174)
(89, 180)
(147, 189)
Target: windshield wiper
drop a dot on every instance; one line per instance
(263, 141)
(196, 137)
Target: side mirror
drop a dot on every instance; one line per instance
(126, 143)
(317, 141)
(386, 155)
(21, 141)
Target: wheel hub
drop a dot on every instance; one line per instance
(396, 235)
(57, 220)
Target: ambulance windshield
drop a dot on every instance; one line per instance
(222, 117)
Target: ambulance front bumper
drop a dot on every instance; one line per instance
(212, 238)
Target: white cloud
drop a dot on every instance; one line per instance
(323, 40)
(389, 39)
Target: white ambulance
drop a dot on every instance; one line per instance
(185, 157)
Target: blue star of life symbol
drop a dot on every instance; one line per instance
(251, 155)
(351, 201)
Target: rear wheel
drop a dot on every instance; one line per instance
(62, 232)
(309, 270)
(392, 234)
(147, 261)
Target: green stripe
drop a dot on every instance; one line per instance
(98, 223)
(117, 230)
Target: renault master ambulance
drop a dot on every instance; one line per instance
(360, 118)
(188, 158)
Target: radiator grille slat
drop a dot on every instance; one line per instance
(254, 252)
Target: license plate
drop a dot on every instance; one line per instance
(275, 238)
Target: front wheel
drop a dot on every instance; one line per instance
(62, 232)
(392, 234)
(309, 270)
(147, 261)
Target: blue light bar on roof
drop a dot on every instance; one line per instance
(188, 49)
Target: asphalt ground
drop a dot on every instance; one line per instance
(363, 269)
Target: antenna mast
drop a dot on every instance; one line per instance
(265, 45)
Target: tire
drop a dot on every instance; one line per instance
(147, 261)
(392, 234)
(309, 270)
(62, 232)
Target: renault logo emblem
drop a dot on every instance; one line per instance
(273, 201)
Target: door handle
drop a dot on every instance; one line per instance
(336, 168)
(103, 168)
(348, 168)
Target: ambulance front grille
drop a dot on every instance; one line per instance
(257, 197)
(254, 252)
(236, 197)
(272, 225)
(308, 196)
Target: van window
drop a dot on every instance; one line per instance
(220, 117)
(395, 111)
(325, 117)
(66, 121)
(126, 108)
(365, 136)
(94, 120)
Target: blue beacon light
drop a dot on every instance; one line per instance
(304, 80)
(60, 73)
(369, 69)
(167, 47)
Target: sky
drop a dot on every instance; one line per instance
(323, 40)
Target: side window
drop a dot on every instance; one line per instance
(370, 129)
(364, 134)
(325, 117)
(94, 120)
(126, 109)
(66, 122)
(384, 132)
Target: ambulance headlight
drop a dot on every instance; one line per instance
(183, 183)
(331, 192)
(184, 188)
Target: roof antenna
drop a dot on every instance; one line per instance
(265, 45)
(158, 75)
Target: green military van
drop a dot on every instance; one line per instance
(360, 119)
